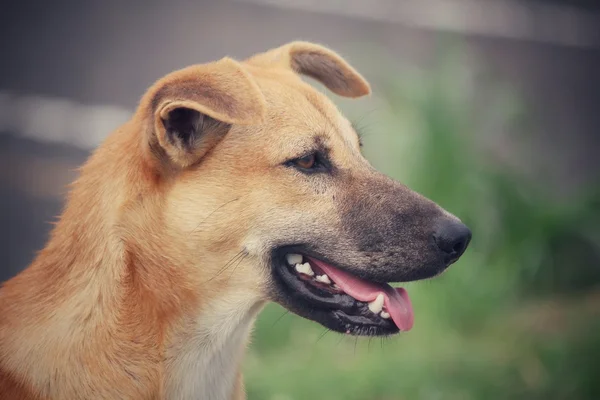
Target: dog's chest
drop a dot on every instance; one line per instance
(205, 365)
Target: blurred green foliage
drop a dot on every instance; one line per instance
(515, 318)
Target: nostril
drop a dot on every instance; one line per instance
(452, 237)
(460, 246)
(457, 247)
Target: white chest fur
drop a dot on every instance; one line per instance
(205, 363)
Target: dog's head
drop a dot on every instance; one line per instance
(267, 191)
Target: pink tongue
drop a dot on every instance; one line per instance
(396, 300)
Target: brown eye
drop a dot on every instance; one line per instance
(306, 162)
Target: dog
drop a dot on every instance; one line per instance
(235, 183)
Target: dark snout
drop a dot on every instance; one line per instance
(398, 234)
(452, 238)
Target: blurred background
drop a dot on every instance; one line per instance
(491, 108)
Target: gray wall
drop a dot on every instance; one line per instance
(109, 52)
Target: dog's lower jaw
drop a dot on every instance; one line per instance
(203, 360)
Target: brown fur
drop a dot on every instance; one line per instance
(94, 314)
(160, 261)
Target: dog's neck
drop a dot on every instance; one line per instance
(203, 360)
(89, 299)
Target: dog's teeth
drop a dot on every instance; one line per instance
(335, 286)
(293, 259)
(305, 269)
(323, 278)
(376, 305)
(308, 269)
(384, 315)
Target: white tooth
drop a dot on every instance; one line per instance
(308, 269)
(305, 269)
(293, 259)
(377, 305)
(335, 286)
(384, 315)
(323, 278)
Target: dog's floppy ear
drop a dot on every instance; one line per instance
(191, 108)
(319, 63)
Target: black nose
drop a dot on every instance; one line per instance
(452, 237)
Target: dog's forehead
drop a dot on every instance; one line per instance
(300, 112)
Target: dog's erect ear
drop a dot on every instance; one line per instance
(193, 107)
(319, 63)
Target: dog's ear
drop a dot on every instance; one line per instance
(319, 63)
(191, 108)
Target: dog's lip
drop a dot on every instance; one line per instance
(333, 308)
(396, 300)
(314, 300)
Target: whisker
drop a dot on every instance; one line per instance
(322, 335)
(280, 317)
(229, 263)
(342, 337)
(358, 121)
(214, 211)
(359, 125)
(238, 262)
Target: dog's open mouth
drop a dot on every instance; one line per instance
(341, 301)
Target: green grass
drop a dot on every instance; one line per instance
(515, 318)
(527, 352)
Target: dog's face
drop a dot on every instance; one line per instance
(269, 192)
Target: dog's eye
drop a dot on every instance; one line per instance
(307, 162)
(310, 163)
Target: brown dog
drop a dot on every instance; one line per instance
(234, 184)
